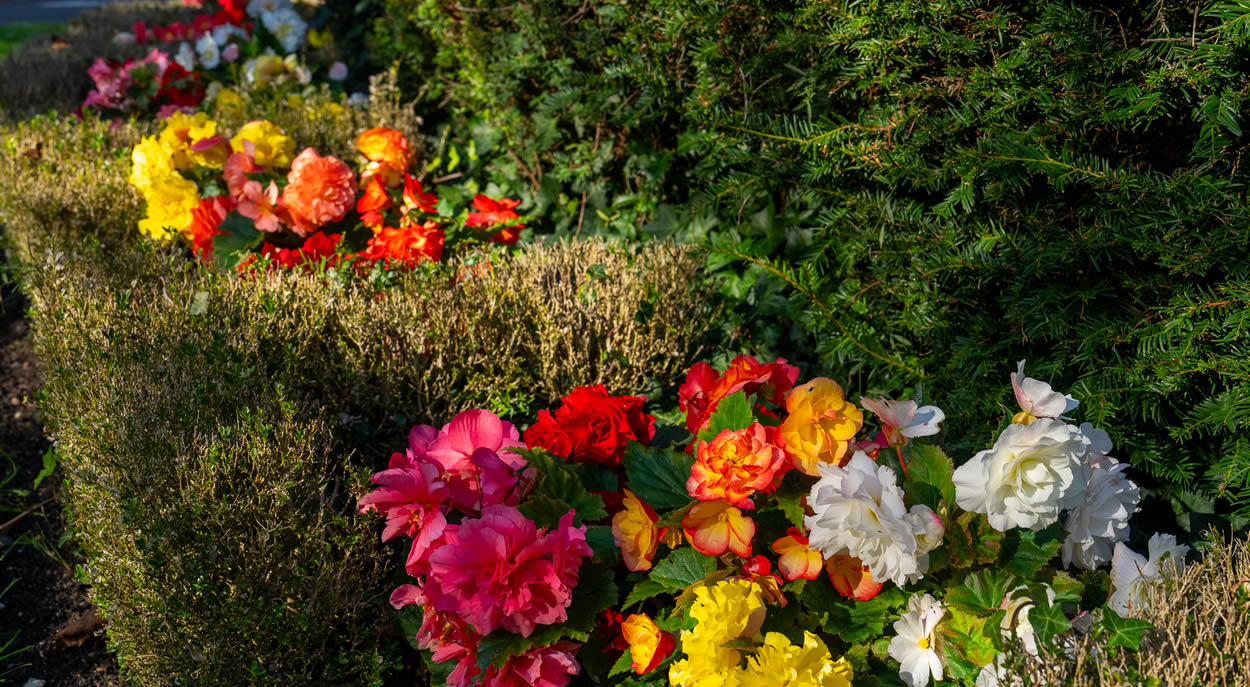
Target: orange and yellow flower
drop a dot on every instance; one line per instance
(714, 527)
(851, 578)
(635, 532)
(389, 153)
(648, 644)
(819, 425)
(796, 558)
(736, 464)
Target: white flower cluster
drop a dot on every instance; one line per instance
(858, 510)
(1132, 574)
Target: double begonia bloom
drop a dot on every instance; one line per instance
(714, 527)
(408, 497)
(635, 532)
(503, 572)
(819, 424)
(150, 161)
(904, 420)
(851, 577)
(795, 558)
(271, 146)
(172, 201)
(407, 245)
(1037, 399)
(648, 644)
(472, 451)
(212, 151)
(320, 190)
(389, 152)
(449, 638)
(778, 663)
(705, 387)
(592, 426)
(372, 203)
(726, 611)
(736, 464)
(1101, 519)
(549, 666)
(181, 131)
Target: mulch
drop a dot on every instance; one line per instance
(45, 606)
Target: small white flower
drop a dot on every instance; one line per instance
(249, 71)
(914, 646)
(860, 509)
(996, 675)
(1029, 476)
(358, 99)
(222, 34)
(338, 71)
(256, 8)
(1037, 399)
(185, 56)
(287, 26)
(903, 420)
(208, 52)
(124, 38)
(1132, 574)
(1101, 519)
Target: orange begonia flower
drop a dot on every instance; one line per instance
(648, 644)
(819, 425)
(796, 558)
(714, 527)
(635, 532)
(388, 150)
(851, 578)
(372, 203)
(736, 464)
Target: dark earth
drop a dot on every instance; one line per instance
(61, 641)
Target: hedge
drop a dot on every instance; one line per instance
(903, 193)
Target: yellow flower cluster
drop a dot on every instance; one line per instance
(733, 610)
(273, 147)
(170, 197)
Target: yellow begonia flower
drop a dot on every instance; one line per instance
(229, 103)
(181, 130)
(635, 533)
(819, 425)
(150, 161)
(728, 610)
(273, 147)
(171, 199)
(781, 664)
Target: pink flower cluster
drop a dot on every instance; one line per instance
(153, 81)
(479, 563)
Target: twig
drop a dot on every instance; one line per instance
(26, 512)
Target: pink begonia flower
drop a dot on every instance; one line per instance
(469, 469)
(230, 53)
(1037, 399)
(550, 666)
(419, 439)
(503, 572)
(435, 534)
(338, 71)
(255, 202)
(903, 420)
(409, 498)
(451, 639)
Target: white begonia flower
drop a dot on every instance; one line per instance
(1037, 399)
(338, 71)
(1031, 474)
(287, 26)
(1132, 574)
(256, 8)
(903, 420)
(1016, 622)
(1101, 519)
(859, 509)
(914, 646)
(223, 33)
(185, 57)
(206, 48)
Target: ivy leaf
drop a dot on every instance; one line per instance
(970, 540)
(1048, 620)
(853, 621)
(968, 642)
(595, 591)
(733, 412)
(1124, 632)
(981, 592)
(1068, 589)
(658, 476)
(642, 591)
(1025, 552)
(930, 477)
(682, 568)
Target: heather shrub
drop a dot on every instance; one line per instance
(900, 193)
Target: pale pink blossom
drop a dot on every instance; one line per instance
(1037, 399)
(903, 420)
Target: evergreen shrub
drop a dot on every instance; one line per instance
(903, 193)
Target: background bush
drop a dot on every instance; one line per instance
(216, 429)
(902, 192)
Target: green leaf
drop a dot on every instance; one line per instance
(240, 237)
(968, 642)
(595, 591)
(1067, 588)
(1124, 632)
(930, 477)
(682, 568)
(1048, 620)
(544, 510)
(560, 488)
(853, 621)
(642, 591)
(734, 412)
(603, 543)
(658, 476)
(1025, 552)
(622, 665)
(793, 508)
(970, 540)
(50, 459)
(981, 592)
